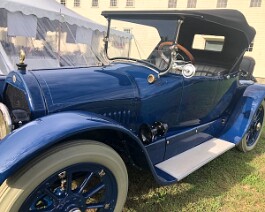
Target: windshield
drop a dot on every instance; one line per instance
(147, 35)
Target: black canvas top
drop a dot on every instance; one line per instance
(227, 18)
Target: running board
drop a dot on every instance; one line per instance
(187, 162)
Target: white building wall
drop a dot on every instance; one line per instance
(254, 15)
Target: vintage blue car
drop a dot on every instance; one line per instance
(67, 133)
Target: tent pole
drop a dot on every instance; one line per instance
(59, 39)
(106, 39)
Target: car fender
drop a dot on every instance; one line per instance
(241, 117)
(25, 143)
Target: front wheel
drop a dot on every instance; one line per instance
(76, 176)
(253, 133)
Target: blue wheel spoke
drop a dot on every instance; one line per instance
(52, 195)
(259, 112)
(45, 197)
(259, 115)
(95, 205)
(256, 120)
(69, 183)
(94, 190)
(72, 187)
(84, 183)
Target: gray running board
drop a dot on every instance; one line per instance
(187, 162)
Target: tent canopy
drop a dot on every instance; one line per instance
(51, 35)
(49, 9)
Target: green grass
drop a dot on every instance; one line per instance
(233, 182)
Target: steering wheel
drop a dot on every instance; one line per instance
(178, 46)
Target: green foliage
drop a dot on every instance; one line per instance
(233, 182)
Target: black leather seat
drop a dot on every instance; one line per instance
(209, 70)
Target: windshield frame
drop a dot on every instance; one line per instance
(161, 71)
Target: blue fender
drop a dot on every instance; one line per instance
(243, 113)
(25, 143)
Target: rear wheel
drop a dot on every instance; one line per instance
(77, 176)
(253, 133)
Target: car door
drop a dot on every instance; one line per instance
(225, 94)
(204, 100)
(198, 100)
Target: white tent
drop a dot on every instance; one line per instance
(52, 35)
(49, 9)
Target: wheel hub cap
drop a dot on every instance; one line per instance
(74, 203)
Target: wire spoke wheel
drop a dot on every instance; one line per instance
(253, 133)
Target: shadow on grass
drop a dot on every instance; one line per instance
(211, 181)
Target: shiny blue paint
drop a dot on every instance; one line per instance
(198, 99)
(25, 143)
(227, 92)
(121, 91)
(161, 100)
(114, 91)
(27, 83)
(40, 134)
(2, 82)
(110, 90)
(164, 176)
(180, 143)
(205, 99)
(128, 102)
(182, 140)
(156, 150)
(240, 119)
(67, 88)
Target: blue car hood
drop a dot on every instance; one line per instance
(67, 87)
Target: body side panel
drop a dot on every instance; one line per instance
(243, 112)
(27, 83)
(198, 100)
(40, 134)
(66, 88)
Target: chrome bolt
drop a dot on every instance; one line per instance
(101, 173)
(14, 78)
(62, 175)
(106, 206)
(258, 127)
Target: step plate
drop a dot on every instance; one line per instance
(187, 162)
